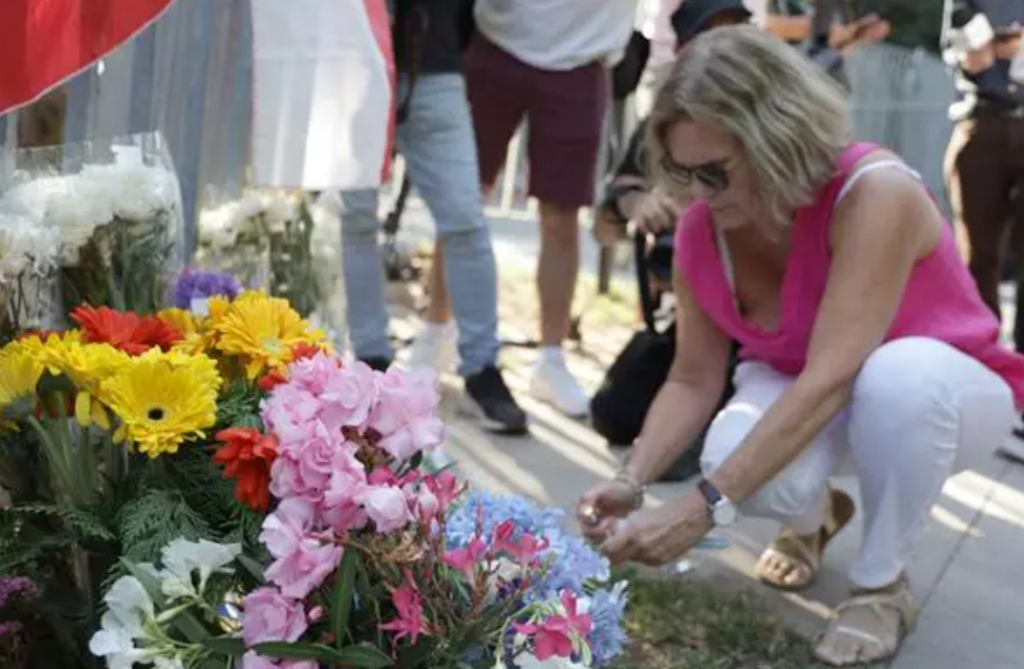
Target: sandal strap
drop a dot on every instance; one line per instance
(789, 546)
(899, 601)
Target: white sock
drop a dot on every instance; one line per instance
(431, 330)
(552, 354)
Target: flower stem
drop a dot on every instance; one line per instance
(58, 463)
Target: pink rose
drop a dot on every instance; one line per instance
(303, 562)
(305, 568)
(350, 394)
(341, 510)
(317, 457)
(386, 507)
(423, 433)
(285, 480)
(253, 660)
(289, 412)
(406, 415)
(314, 374)
(268, 616)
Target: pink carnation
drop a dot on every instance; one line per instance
(406, 416)
(303, 562)
(314, 374)
(317, 457)
(341, 508)
(351, 393)
(289, 413)
(268, 616)
(386, 506)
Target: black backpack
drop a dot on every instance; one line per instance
(619, 407)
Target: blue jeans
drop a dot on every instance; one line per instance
(439, 148)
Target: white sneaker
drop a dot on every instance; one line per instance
(554, 383)
(434, 348)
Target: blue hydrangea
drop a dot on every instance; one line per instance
(573, 563)
(607, 638)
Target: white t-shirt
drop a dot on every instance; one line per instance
(558, 34)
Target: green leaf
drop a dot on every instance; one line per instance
(230, 646)
(341, 597)
(410, 657)
(190, 626)
(294, 651)
(254, 568)
(363, 656)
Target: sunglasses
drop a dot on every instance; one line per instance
(713, 175)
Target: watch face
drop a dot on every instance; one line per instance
(725, 514)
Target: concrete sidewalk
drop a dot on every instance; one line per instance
(968, 570)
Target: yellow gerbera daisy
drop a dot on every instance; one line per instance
(264, 330)
(87, 366)
(19, 373)
(163, 399)
(194, 340)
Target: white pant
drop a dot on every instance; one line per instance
(918, 407)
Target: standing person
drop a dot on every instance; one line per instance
(862, 334)
(546, 61)
(436, 139)
(985, 160)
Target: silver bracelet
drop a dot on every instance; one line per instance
(639, 490)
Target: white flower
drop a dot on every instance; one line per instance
(129, 607)
(26, 245)
(181, 558)
(278, 210)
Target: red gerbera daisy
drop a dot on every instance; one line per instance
(125, 330)
(247, 455)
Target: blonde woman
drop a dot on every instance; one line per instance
(863, 338)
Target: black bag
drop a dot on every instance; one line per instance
(619, 407)
(626, 74)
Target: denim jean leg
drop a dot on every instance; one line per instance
(363, 270)
(439, 148)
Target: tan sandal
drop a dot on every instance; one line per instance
(866, 646)
(790, 547)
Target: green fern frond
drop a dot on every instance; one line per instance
(150, 522)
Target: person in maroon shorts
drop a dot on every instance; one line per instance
(545, 63)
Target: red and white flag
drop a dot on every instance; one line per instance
(44, 42)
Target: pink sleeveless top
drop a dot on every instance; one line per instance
(941, 300)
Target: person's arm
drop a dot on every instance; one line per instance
(880, 230)
(695, 382)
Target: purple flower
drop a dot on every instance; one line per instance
(20, 587)
(194, 284)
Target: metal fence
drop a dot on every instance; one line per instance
(189, 77)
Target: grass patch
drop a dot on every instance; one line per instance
(674, 624)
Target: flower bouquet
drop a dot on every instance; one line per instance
(94, 223)
(374, 557)
(265, 239)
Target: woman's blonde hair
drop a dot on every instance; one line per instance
(789, 117)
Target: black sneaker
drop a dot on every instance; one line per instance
(379, 364)
(494, 404)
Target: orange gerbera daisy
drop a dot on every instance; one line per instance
(247, 456)
(125, 330)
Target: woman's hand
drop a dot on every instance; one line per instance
(655, 212)
(659, 536)
(602, 506)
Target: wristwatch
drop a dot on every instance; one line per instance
(721, 509)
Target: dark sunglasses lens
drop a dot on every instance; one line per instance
(712, 176)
